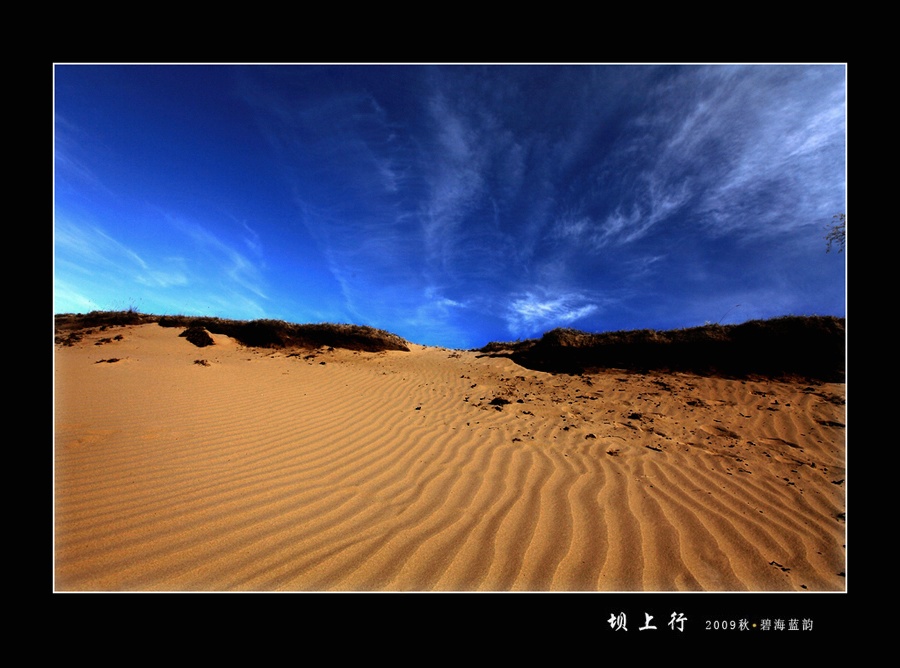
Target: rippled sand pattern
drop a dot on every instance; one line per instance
(342, 471)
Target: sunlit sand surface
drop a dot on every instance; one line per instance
(228, 468)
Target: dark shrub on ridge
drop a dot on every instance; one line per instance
(198, 336)
(253, 333)
(811, 347)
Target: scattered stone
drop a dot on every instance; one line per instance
(202, 362)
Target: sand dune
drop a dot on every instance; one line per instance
(228, 468)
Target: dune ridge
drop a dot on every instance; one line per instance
(799, 346)
(324, 468)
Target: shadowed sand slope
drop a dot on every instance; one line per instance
(225, 467)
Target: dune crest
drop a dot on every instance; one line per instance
(322, 468)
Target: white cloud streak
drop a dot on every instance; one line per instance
(769, 133)
(718, 143)
(226, 261)
(529, 314)
(109, 271)
(92, 246)
(71, 171)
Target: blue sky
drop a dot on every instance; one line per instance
(451, 204)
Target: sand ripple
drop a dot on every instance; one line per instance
(395, 471)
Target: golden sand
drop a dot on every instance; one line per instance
(228, 468)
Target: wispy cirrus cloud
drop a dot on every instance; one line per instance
(189, 264)
(529, 314)
(92, 270)
(490, 182)
(72, 171)
(70, 298)
(227, 262)
(89, 245)
(762, 148)
(731, 148)
(353, 182)
(454, 180)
